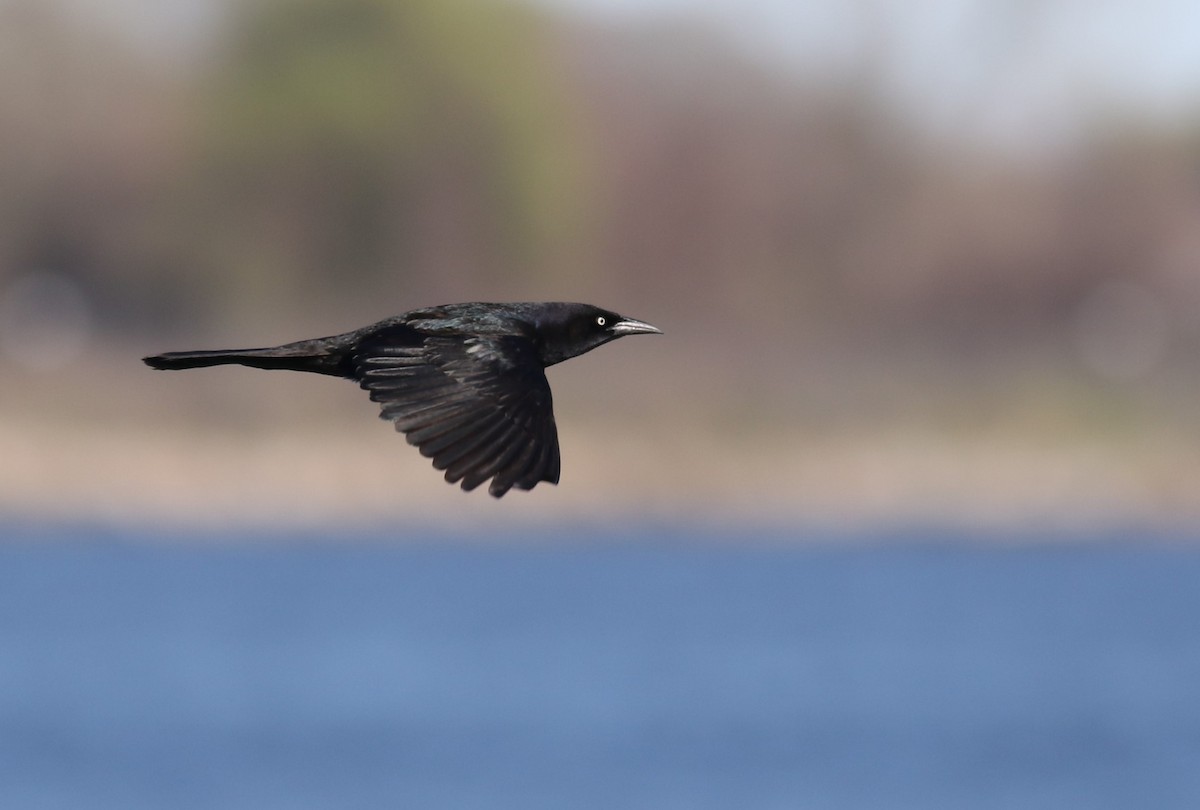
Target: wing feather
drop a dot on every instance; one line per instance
(498, 462)
(481, 464)
(478, 406)
(473, 455)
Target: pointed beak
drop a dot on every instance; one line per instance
(628, 326)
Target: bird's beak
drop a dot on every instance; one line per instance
(628, 326)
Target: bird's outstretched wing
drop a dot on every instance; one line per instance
(479, 406)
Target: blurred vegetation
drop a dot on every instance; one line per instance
(324, 162)
(364, 144)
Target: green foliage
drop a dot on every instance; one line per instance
(376, 135)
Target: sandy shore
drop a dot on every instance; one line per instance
(365, 475)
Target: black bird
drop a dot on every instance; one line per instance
(465, 383)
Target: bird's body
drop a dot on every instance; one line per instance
(465, 383)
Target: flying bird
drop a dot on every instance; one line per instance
(465, 383)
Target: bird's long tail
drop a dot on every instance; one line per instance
(316, 356)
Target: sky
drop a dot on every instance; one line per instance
(1002, 69)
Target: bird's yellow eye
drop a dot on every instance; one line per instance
(600, 321)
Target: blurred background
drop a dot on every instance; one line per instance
(929, 276)
(936, 263)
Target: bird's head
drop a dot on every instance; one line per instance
(569, 330)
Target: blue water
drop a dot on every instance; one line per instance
(645, 673)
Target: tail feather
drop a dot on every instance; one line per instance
(313, 356)
(259, 358)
